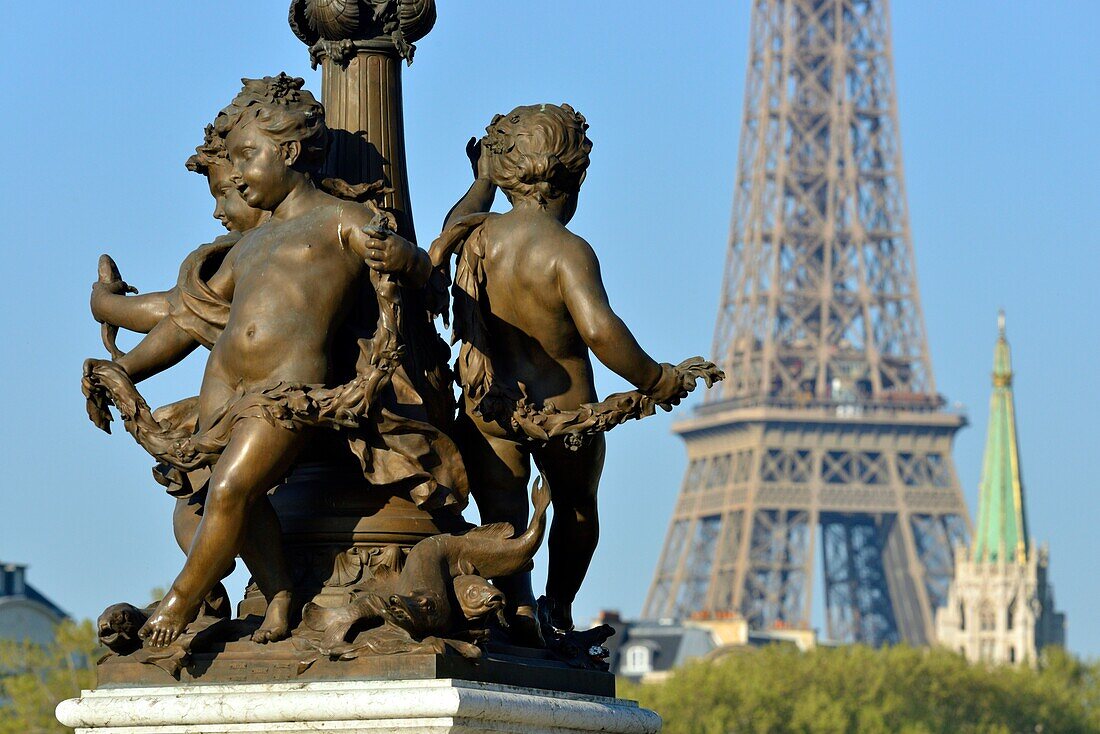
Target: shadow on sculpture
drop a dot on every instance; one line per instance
(327, 412)
(529, 307)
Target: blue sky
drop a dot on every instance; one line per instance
(998, 102)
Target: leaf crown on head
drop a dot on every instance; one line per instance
(212, 152)
(285, 111)
(538, 152)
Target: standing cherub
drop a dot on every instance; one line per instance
(529, 306)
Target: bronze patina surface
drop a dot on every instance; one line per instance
(329, 446)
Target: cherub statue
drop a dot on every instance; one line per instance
(188, 306)
(293, 291)
(193, 308)
(529, 307)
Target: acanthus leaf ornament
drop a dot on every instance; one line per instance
(338, 28)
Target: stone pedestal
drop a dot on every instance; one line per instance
(427, 706)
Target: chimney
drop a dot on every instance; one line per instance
(13, 580)
(609, 616)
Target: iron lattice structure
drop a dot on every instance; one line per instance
(829, 424)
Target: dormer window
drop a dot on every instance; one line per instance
(637, 660)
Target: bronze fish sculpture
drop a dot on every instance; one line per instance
(108, 274)
(442, 575)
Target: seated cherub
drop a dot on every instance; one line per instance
(529, 306)
(294, 291)
(184, 304)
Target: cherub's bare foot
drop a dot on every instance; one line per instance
(171, 617)
(276, 624)
(523, 627)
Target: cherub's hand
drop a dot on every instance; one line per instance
(670, 388)
(475, 151)
(96, 370)
(386, 251)
(98, 398)
(102, 293)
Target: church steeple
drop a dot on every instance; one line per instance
(1000, 605)
(1002, 522)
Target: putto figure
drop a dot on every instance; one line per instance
(188, 308)
(109, 303)
(303, 306)
(291, 287)
(529, 306)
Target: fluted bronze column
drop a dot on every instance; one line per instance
(363, 107)
(361, 47)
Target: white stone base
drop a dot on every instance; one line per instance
(350, 707)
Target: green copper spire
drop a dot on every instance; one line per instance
(1002, 524)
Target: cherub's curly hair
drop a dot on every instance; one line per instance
(285, 111)
(538, 152)
(211, 153)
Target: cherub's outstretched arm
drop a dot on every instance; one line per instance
(167, 343)
(603, 331)
(112, 307)
(482, 192)
(135, 313)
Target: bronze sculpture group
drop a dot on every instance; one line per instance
(311, 309)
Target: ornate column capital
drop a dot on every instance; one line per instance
(339, 29)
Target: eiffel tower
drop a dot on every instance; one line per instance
(828, 434)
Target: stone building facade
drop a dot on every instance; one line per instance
(649, 650)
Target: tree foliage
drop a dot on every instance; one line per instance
(35, 678)
(750, 691)
(858, 689)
